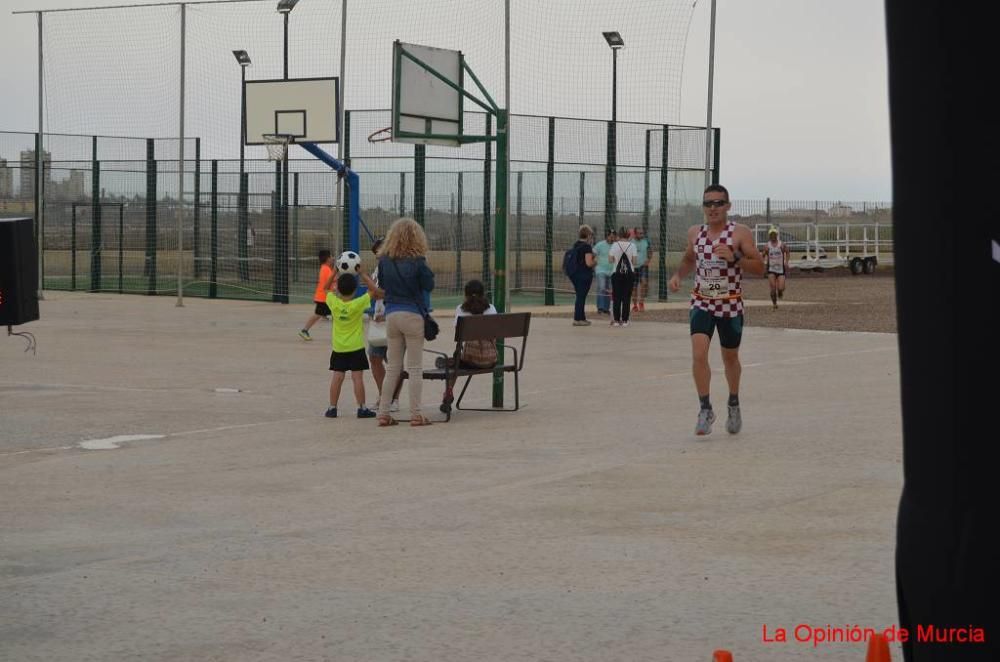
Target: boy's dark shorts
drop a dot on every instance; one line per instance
(322, 309)
(730, 328)
(349, 361)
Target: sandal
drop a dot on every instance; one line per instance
(419, 421)
(386, 421)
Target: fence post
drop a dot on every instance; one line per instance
(121, 248)
(459, 240)
(716, 153)
(213, 288)
(487, 170)
(645, 189)
(419, 183)
(243, 226)
(96, 235)
(583, 196)
(661, 276)
(72, 247)
(767, 211)
(345, 226)
(402, 194)
(39, 183)
(295, 227)
(196, 234)
(151, 205)
(518, 235)
(550, 179)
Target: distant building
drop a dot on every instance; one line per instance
(841, 210)
(6, 181)
(28, 172)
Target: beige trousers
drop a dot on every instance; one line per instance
(405, 333)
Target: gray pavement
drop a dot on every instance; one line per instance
(591, 525)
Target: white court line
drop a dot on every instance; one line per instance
(183, 433)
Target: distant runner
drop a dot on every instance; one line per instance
(777, 265)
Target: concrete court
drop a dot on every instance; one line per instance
(591, 525)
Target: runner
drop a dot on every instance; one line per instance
(719, 251)
(777, 265)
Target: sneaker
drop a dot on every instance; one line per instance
(581, 322)
(365, 412)
(614, 323)
(735, 420)
(705, 419)
(304, 335)
(394, 405)
(625, 323)
(331, 412)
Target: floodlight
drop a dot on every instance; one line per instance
(614, 39)
(242, 57)
(285, 6)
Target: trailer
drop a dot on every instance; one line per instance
(859, 247)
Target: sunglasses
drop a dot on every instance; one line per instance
(714, 203)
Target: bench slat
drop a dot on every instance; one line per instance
(491, 327)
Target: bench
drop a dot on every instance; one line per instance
(497, 328)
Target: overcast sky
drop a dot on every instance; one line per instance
(800, 92)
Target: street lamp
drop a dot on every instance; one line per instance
(616, 43)
(285, 8)
(242, 201)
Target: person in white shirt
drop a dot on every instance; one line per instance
(477, 353)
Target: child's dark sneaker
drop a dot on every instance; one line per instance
(331, 412)
(365, 412)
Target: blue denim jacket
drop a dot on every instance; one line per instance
(417, 280)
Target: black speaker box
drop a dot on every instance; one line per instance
(18, 272)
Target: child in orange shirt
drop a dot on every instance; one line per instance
(319, 296)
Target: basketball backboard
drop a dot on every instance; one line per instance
(425, 109)
(305, 108)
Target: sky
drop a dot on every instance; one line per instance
(800, 92)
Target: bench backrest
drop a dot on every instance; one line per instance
(491, 327)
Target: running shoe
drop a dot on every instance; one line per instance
(304, 335)
(705, 419)
(735, 420)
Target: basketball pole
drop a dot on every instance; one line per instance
(339, 192)
(501, 285)
(39, 166)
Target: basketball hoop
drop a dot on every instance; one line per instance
(277, 145)
(381, 135)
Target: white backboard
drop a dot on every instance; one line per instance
(422, 104)
(306, 108)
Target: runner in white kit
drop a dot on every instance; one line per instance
(777, 265)
(720, 251)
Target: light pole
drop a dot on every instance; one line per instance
(242, 201)
(616, 43)
(285, 8)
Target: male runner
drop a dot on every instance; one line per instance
(777, 265)
(719, 251)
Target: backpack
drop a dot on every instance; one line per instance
(480, 353)
(624, 267)
(571, 261)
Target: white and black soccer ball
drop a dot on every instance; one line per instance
(349, 262)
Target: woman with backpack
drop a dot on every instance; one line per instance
(623, 257)
(578, 263)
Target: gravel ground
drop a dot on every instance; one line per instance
(838, 302)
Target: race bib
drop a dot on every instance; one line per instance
(777, 262)
(714, 283)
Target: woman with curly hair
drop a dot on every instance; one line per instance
(405, 278)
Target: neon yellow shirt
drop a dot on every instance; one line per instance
(348, 333)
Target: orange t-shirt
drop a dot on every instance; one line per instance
(324, 275)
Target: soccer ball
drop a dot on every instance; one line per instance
(349, 262)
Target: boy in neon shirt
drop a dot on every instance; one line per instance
(348, 338)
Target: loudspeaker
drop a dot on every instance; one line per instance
(18, 272)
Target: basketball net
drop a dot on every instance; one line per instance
(277, 145)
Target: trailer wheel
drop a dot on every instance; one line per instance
(857, 266)
(869, 265)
